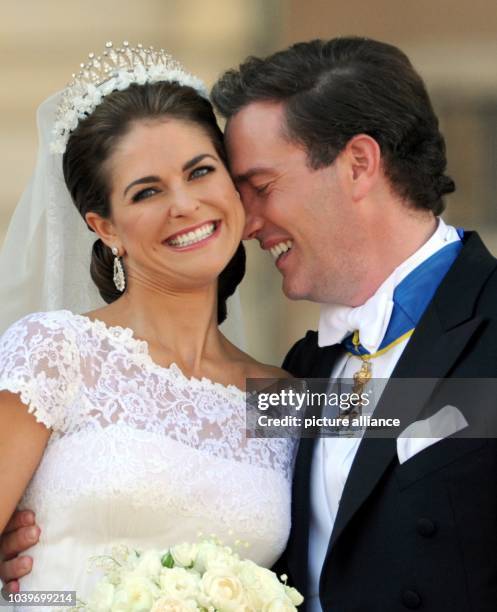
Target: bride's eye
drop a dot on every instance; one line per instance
(201, 171)
(144, 194)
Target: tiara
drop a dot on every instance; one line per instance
(116, 69)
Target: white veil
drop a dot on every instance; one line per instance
(45, 259)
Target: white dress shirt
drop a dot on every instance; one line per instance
(333, 457)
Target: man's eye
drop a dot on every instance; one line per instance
(201, 171)
(144, 194)
(261, 189)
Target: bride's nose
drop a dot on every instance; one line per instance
(182, 203)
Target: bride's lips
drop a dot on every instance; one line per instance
(205, 232)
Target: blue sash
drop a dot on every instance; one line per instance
(411, 298)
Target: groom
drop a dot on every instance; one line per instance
(336, 152)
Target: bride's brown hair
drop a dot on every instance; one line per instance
(95, 139)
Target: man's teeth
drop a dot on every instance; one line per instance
(192, 237)
(280, 248)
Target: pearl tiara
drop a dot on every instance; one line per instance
(116, 69)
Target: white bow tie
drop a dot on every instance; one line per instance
(370, 320)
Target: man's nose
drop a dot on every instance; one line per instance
(253, 222)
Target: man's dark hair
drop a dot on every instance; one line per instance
(333, 90)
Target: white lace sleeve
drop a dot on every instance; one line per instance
(39, 361)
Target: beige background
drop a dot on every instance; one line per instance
(453, 44)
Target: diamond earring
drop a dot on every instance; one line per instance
(119, 279)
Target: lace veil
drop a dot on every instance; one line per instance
(45, 259)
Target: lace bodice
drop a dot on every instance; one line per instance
(139, 453)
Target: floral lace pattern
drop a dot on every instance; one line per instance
(138, 452)
(77, 374)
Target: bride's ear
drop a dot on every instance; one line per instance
(104, 228)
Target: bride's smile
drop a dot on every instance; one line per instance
(194, 237)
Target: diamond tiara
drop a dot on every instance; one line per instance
(116, 69)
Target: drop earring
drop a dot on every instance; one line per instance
(119, 278)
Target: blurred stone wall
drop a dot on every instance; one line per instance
(454, 46)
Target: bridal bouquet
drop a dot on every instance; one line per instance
(207, 577)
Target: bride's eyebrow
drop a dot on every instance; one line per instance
(140, 181)
(195, 160)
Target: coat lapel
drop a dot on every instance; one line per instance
(297, 549)
(439, 340)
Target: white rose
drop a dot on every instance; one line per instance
(224, 590)
(279, 605)
(184, 554)
(170, 604)
(211, 555)
(149, 564)
(179, 582)
(134, 594)
(102, 597)
(262, 585)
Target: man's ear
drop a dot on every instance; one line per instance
(104, 228)
(363, 156)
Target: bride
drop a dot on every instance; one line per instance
(125, 425)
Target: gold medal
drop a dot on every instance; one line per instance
(361, 377)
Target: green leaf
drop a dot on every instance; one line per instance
(167, 560)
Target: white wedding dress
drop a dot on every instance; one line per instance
(139, 454)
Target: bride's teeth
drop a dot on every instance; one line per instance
(280, 248)
(194, 236)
